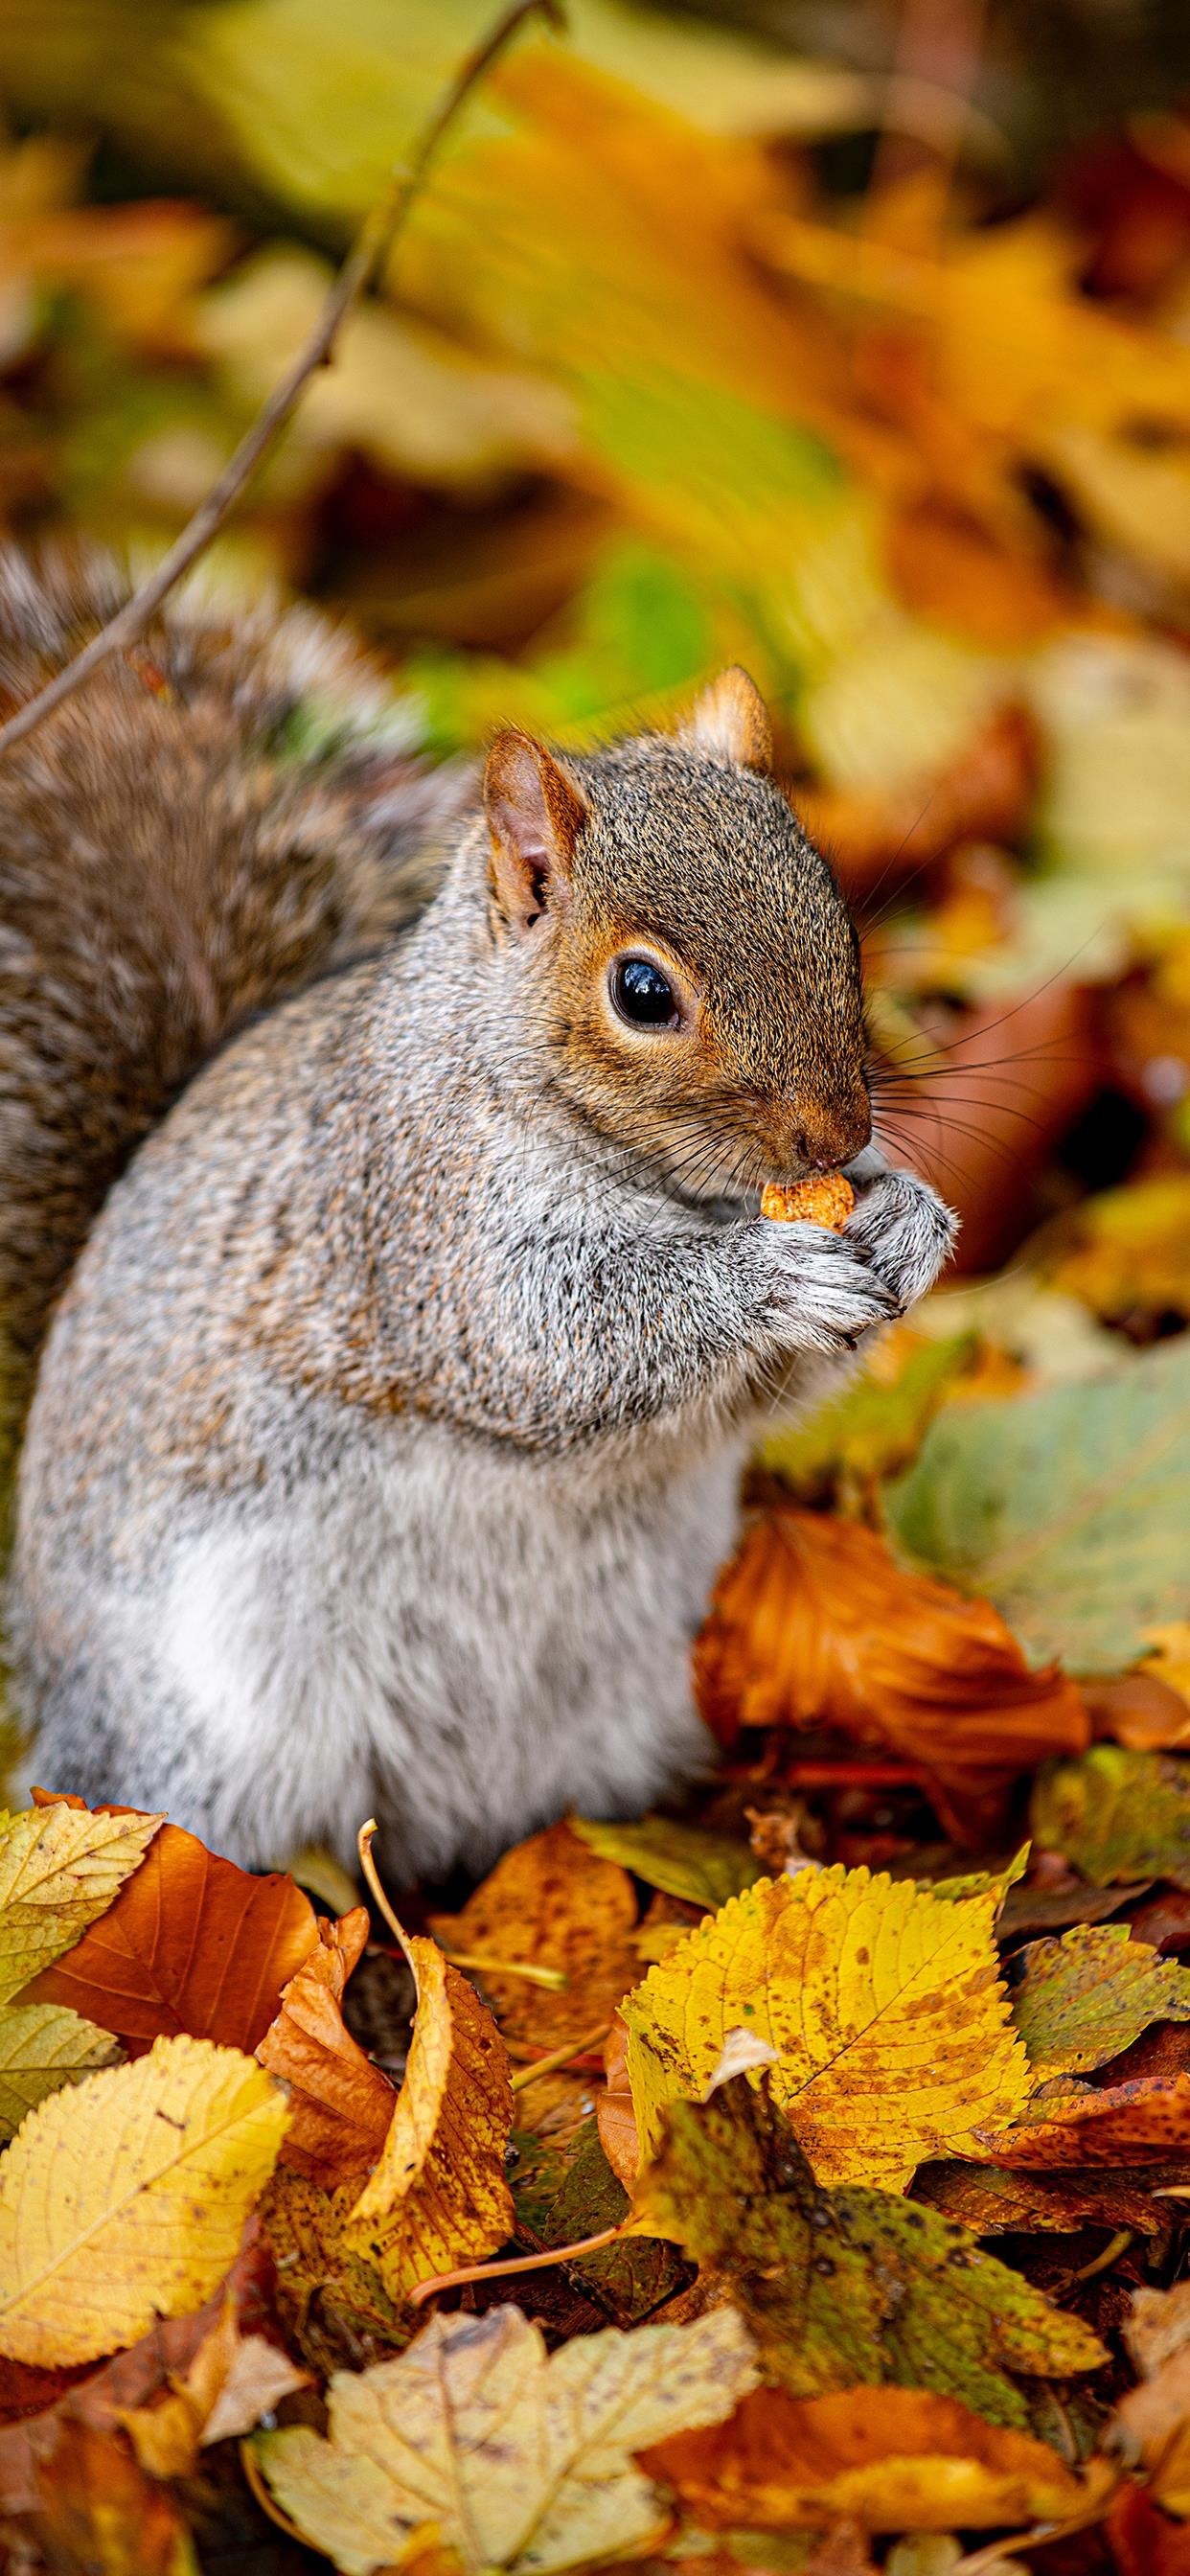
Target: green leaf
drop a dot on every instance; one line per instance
(683, 1860)
(848, 2287)
(41, 2047)
(1116, 1815)
(871, 1430)
(628, 2280)
(1068, 1509)
(1084, 1998)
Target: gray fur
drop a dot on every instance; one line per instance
(387, 1437)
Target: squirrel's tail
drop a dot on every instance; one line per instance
(226, 811)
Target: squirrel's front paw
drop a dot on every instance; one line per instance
(905, 1231)
(822, 1292)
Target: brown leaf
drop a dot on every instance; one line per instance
(1144, 2542)
(551, 1903)
(191, 1944)
(340, 2104)
(232, 2381)
(994, 2202)
(891, 2459)
(615, 2110)
(89, 2504)
(1139, 2123)
(814, 1622)
(1159, 2326)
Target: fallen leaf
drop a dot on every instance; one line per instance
(1138, 2123)
(1116, 1815)
(852, 2285)
(813, 1622)
(1126, 1253)
(1081, 2000)
(192, 1945)
(551, 1903)
(884, 2006)
(60, 1867)
(876, 1426)
(1144, 2542)
(1158, 2327)
(332, 2304)
(90, 2506)
(615, 2112)
(340, 2104)
(232, 2381)
(890, 2459)
(626, 2281)
(41, 2047)
(439, 2194)
(124, 2198)
(983, 791)
(1155, 2421)
(523, 2460)
(992, 2201)
(683, 1860)
(1066, 1508)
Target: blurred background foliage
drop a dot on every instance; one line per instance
(848, 338)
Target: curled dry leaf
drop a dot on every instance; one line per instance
(853, 2285)
(884, 2006)
(439, 2195)
(813, 1622)
(126, 2198)
(193, 1945)
(523, 2460)
(60, 1867)
(1116, 1814)
(340, 2104)
(890, 2459)
(43, 2046)
(232, 2381)
(1142, 2122)
(1081, 2000)
(552, 1903)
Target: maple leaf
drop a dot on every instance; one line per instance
(522, 2460)
(124, 2198)
(1141, 2122)
(852, 2285)
(439, 2195)
(1117, 1815)
(193, 1945)
(60, 1867)
(340, 2104)
(554, 1904)
(1080, 2000)
(890, 2459)
(883, 2005)
(813, 1622)
(683, 1860)
(41, 2047)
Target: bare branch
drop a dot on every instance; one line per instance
(373, 247)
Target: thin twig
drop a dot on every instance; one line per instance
(570, 2048)
(372, 248)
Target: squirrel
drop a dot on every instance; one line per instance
(381, 1153)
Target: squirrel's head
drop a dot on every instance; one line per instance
(695, 971)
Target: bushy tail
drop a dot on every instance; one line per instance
(222, 814)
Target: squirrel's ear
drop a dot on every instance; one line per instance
(730, 722)
(535, 814)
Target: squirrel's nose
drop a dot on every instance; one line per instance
(830, 1136)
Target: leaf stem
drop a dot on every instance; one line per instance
(560, 2056)
(520, 2263)
(363, 1845)
(373, 246)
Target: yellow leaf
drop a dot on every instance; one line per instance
(43, 2046)
(439, 2195)
(60, 1866)
(522, 2460)
(125, 2199)
(883, 2003)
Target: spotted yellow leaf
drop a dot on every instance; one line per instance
(882, 2002)
(124, 2199)
(522, 2459)
(439, 2194)
(60, 1867)
(43, 2046)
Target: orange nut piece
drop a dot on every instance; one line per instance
(828, 1201)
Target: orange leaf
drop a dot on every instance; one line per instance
(340, 2104)
(615, 2110)
(888, 2458)
(554, 1904)
(1139, 2123)
(191, 1944)
(813, 1622)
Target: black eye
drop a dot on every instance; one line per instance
(641, 994)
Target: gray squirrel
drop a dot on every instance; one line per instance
(380, 1166)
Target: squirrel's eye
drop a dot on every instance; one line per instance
(642, 994)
